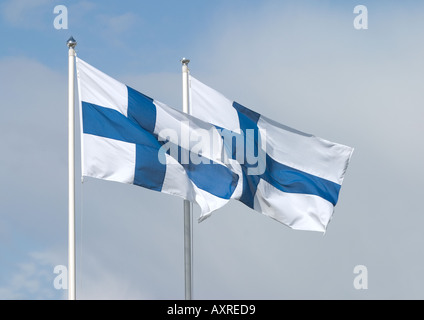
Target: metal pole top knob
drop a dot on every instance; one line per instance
(71, 43)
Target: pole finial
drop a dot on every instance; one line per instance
(185, 61)
(71, 43)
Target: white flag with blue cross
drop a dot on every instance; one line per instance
(123, 135)
(298, 176)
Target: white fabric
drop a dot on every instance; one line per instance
(100, 89)
(210, 104)
(176, 181)
(108, 159)
(298, 211)
(235, 167)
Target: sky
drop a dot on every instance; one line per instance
(301, 63)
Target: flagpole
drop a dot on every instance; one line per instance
(71, 43)
(187, 209)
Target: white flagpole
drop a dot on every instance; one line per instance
(187, 211)
(71, 43)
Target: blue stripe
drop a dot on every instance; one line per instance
(209, 175)
(112, 124)
(250, 185)
(213, 178)
(250, 182)
(248, 120)
(149, 172)
(282, 177)
(250, 115)
(141, 109)
(291, 180)
(226, 136)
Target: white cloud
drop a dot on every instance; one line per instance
(23, 13)
(33, 124)
(32, 279)
(115, 28)
(97, 280)
(121, 23)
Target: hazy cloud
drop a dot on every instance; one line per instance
(32, 279)
(25, 13)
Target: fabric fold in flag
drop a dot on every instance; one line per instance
(129, 137)
(297, 178)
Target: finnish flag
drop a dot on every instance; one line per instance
(130, 138)
(297, 177)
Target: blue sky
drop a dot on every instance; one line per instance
(301, 63)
